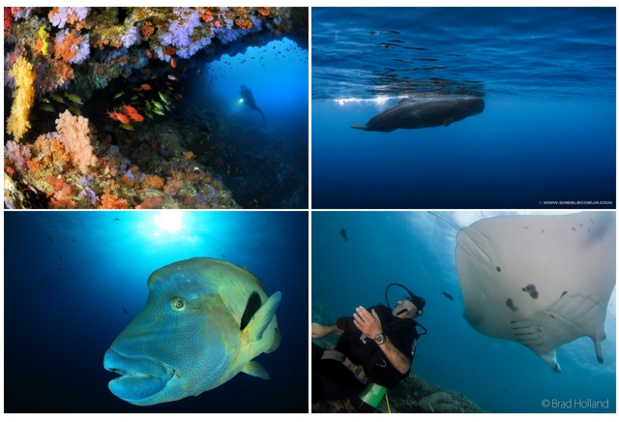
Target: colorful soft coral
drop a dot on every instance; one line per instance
(24, 76)
(72, 47)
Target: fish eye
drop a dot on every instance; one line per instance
(178, 303)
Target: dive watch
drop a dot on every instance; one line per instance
(379, 339)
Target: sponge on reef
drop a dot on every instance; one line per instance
(23, 98)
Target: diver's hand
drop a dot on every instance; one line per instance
(319, 331)
(368, 323)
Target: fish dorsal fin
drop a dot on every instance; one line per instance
(263, 317)
(255, 370)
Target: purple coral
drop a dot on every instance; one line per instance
(226, 35)
(180, 31)
(132, 36)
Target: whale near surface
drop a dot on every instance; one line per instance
(416, 113)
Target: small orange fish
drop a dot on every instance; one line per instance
(127, 109)
(118, 116)
(137, 117)
(173, 63)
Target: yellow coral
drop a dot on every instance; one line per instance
(45, 44)
(23, 98)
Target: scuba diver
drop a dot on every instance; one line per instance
(248, 99)
(375, 349)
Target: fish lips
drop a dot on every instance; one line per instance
(141, 377)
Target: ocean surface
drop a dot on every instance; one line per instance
(417, 249)
(546, 138)
(74, 280)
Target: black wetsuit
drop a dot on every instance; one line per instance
(331, 380)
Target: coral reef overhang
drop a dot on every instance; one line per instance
(87, 61)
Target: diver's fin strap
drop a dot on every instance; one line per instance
(357, 370)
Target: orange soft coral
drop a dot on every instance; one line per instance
(67, 50)
(109, 201)
(243, 22)
(147, 29)
(153, 181)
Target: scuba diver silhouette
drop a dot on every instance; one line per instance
(248, 98)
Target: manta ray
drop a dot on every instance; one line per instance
(248, 99)
(541, 281)
(416, 113)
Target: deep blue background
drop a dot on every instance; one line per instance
(70, 275)
(547, 132)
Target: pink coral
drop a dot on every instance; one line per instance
(18, 154)
(152, 202)
(172, 186)
(75, 136)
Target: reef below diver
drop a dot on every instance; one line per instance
(250, 101)
(417, 113)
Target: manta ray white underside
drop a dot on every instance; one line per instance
(541, 281)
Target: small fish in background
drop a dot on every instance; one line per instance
(448, 296)
(125, 311)
(50, 239)
(343, 234)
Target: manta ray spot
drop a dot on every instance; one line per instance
(530, 288)
(510, 304)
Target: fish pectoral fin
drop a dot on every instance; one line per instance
(277, 338)
(263, 317)
(447, 122)
(358, 126)
(255, 370)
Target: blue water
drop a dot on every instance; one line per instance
(267, 158)
(547, 133)
(70, 276)
(417, 249)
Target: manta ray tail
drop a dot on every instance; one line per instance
(358, 126)
(455, 226)
(261, 113)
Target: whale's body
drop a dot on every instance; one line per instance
(423, 112)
